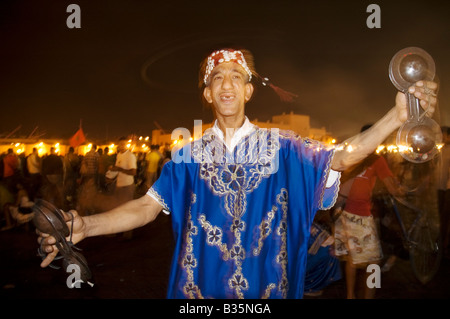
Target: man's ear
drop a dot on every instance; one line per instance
(248, 91)
(207, 94)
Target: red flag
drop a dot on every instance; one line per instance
(78, 138)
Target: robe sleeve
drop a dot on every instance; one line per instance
(310, 164)
(173, 188)
(161, 189)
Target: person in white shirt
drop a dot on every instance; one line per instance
(34, 162)
(34, 165)
(126, 166)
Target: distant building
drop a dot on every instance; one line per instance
(300, 124)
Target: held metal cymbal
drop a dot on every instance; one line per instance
(410, 65)
(418, 141)
(49, 219)
(419, 136)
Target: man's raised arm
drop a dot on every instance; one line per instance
(356, 148)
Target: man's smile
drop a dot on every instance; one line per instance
(227, 97)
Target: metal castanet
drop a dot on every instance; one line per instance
(50, 220)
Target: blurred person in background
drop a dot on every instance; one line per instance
(356, 236)
(11, 170)
(126, 168)
(34, 165)
(89, 167)
(154, 161)
(71, 175)
(53, 173)
(444, 191)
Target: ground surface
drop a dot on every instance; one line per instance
(138, 268)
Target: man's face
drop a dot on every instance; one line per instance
(228, 90)
(122, 147)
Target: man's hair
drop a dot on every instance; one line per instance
(365, 127)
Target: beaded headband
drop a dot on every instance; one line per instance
(222, 56)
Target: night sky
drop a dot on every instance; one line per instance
(134, 63)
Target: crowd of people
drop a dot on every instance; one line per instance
(348, 232)
(88, 183)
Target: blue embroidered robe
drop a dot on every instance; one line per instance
(242, 219)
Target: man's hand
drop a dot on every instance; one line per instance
(329, 241)
(116, 169)
(48, 242)
(425, 91)
(358, 147)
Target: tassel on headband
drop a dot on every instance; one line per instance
(285, 96)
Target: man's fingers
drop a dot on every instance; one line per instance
(46, 240)
(47, 260)
(425, 103)
(48, 247)
(67, 215)
(424, 88)
(41, 234)
(426, 92)
(429, 84)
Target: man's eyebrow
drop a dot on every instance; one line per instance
(213, 73)
(235, 70)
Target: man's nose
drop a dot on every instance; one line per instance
(227, 82)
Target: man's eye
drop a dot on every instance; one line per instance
(217, 77)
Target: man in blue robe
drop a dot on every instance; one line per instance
(242, 226)
(242, 198)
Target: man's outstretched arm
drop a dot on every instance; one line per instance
(133, 214)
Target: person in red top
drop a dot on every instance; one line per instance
(359, 200)
(11, 163)
(10, 167)
(356, 235)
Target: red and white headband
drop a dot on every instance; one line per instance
(222, 56)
